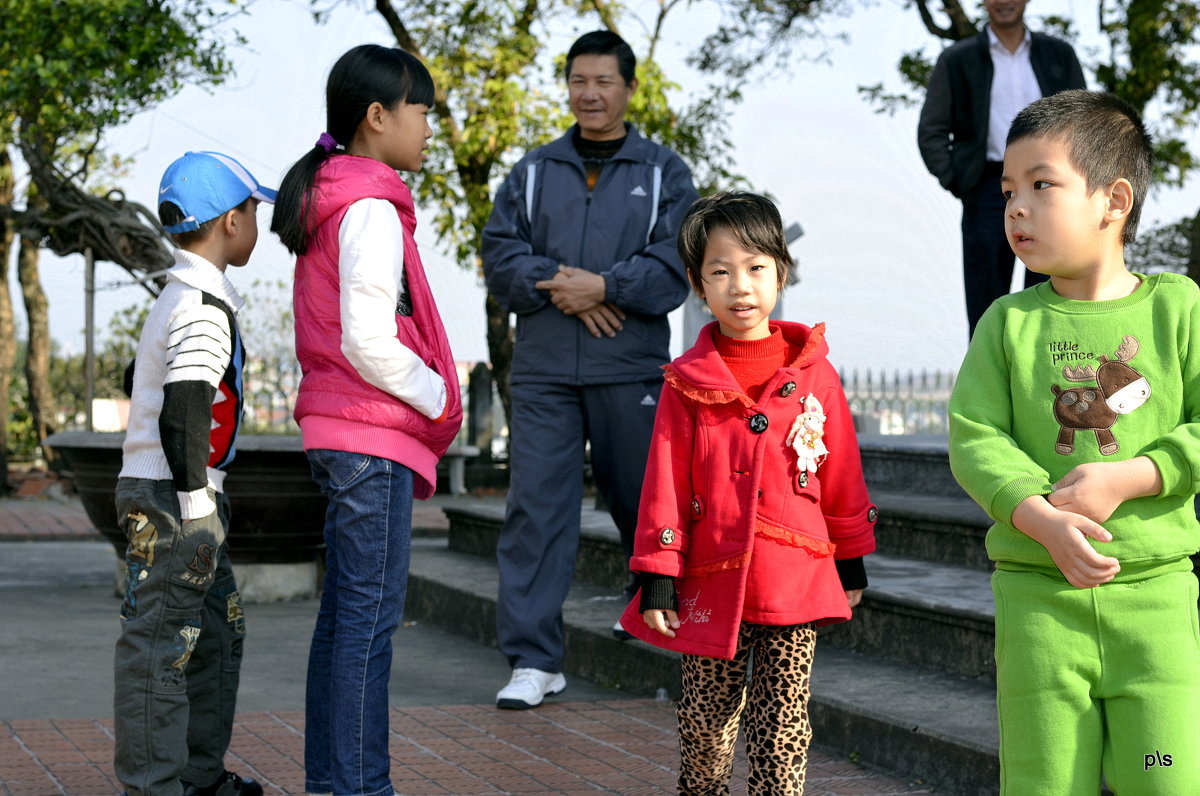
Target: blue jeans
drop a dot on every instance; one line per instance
(368, 536)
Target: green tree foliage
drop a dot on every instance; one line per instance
(1152, 59)
(68, 382)
(1149, 62)
(1163, 248)
(69, 71)
(68, 377)
(72, 69)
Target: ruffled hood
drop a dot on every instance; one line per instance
(702, 375)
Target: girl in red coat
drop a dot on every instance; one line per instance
(754, 516)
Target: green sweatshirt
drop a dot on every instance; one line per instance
(1049, 383)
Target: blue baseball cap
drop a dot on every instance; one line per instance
(206, 184)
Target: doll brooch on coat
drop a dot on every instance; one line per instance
(805, 437)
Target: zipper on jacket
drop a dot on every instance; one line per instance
(580, 328)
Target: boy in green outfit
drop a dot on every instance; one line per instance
(1075, 423)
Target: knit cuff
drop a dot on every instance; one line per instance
(196, 504)
(658, 593)
(851, 573)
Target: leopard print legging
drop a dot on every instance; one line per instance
(776, 715)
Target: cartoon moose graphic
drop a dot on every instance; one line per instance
(1119, 390)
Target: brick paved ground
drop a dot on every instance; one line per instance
(617, 747)
(34, 519)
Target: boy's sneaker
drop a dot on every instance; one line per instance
(528, 687)
(228, 784)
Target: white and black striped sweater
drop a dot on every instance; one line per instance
(187, 385)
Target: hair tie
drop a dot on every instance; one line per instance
(327, 142)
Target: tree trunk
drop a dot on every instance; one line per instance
(500, 350)
(37, 359)
(1193, 265)
(8, 332)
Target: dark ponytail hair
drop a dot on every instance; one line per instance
(364, 75)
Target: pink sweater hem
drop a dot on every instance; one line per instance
(331, 433)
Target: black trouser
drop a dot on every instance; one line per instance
(987, 258)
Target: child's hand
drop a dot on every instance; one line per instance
(854, 597)
(662, 620)
(1062, 534)
(1096, 489)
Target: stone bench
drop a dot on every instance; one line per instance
(456, 466)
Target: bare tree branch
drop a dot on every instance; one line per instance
(961, 25)
(73, 221)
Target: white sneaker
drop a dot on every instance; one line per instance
(527, 688)
(620, 633)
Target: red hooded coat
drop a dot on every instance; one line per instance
(727, 510)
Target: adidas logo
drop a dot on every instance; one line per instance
(638, 191)
(648, 400)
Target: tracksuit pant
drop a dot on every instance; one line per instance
(1098, 681)
(539, 540)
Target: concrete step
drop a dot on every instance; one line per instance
(942, 530)
(927, 724)
(917, 464)
(923, 614)
(919, 612)
(938, 529)
(475, 528)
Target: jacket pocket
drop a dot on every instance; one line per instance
(807, 485)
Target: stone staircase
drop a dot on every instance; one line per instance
(907, 685)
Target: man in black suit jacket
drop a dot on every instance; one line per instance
(977, 87)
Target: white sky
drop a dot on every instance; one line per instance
(879, 261)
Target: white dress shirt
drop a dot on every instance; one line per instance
(1013, 87)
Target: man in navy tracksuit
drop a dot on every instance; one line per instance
(581, 247)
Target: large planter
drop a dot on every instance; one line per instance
(278, 514)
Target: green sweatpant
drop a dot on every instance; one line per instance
(1104, 677)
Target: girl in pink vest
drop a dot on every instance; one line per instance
(379, 399)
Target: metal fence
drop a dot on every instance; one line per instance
(899, 402)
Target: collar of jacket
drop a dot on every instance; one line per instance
(702, 375)
(195, 271)
(562, 148)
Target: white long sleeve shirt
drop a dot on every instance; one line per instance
(371, 273)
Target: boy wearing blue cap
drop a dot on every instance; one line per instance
(182, 627)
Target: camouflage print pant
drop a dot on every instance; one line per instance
(180, 649)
